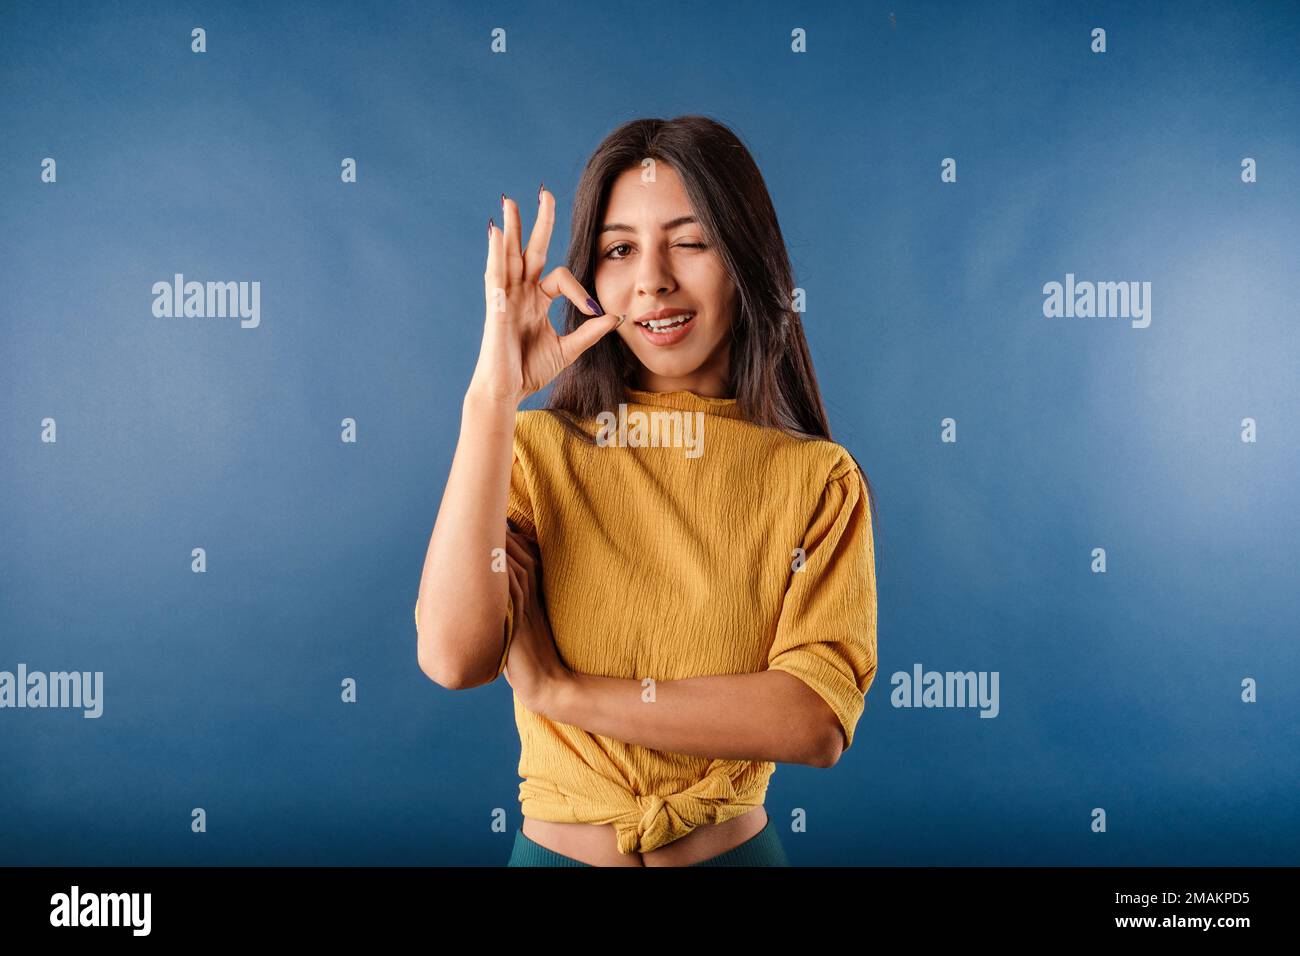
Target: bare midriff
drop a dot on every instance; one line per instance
(597, 843)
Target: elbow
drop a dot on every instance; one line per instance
(434, 669)
(438, 668)
(447, 670)
(830, 746)
(447, 676)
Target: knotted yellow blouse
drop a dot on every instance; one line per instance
(690, 543)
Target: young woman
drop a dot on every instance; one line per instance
(686, 574)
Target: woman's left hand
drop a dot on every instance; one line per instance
(533, 667)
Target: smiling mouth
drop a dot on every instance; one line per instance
(669, 333)
(663, 325)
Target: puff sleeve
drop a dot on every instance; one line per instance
(519, 512)
(826, 632)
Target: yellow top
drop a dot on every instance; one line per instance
(672, 555)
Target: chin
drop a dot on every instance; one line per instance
(676, 367)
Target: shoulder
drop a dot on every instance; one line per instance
(529, 418)
(821, 462)
(837, 460)
(811, 474)
(534, 423)
(541, 432)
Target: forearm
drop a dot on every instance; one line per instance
(462, 601)
(769, 715)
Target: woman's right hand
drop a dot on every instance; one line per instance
(521, 351)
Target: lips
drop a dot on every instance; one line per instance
(671, 335)
(661, 314)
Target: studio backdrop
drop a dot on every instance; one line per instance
(1046, 258)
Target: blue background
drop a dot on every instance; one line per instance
(1118, 690)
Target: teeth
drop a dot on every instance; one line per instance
(668, 323)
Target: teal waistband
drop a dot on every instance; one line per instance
(762, 849)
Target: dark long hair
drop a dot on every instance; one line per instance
(771, 368)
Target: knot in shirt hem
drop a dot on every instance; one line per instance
(658, 820)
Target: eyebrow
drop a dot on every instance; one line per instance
(624, 227)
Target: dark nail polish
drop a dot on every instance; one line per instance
(539, 191)
(489, 225)
(595, 306)
(503, 202)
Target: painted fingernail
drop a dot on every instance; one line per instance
(503, 202)
(621, 320)
(595, 307)
(489, 225)
(539, 191)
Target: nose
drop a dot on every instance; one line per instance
(653, 277)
